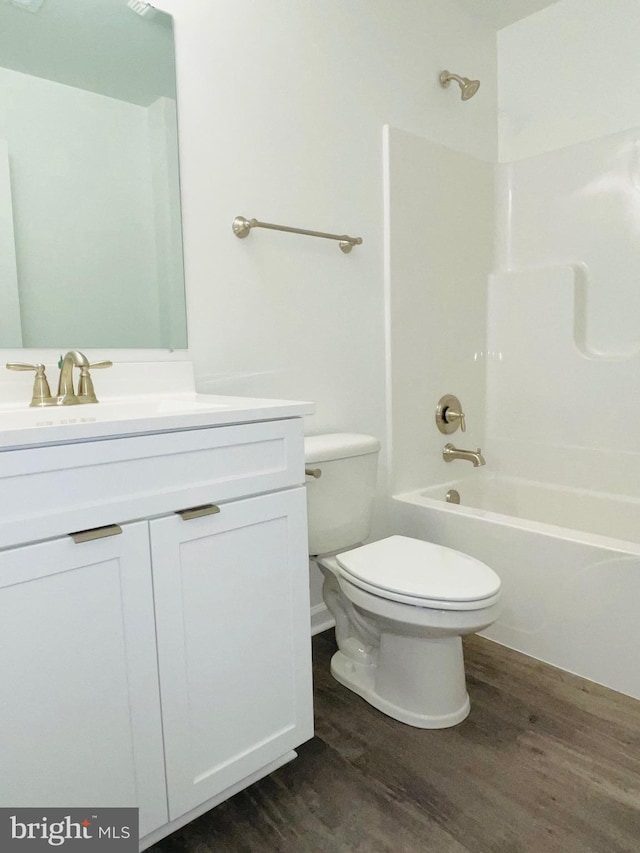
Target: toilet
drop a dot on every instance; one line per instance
(401, 605)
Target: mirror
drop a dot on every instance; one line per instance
(90, 230)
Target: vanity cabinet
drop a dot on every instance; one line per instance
(168, 665)
(232, 641)
(80, 712)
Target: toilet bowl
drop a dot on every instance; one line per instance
(400, 648)
(401, 605)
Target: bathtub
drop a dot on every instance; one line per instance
(569, 561)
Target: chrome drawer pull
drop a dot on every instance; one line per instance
(313, 472)
(95, 533)
(198, 511)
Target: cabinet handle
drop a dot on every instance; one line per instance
(313, 472)
(95, 533)
(198, 511)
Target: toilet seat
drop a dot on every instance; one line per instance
(420, 573)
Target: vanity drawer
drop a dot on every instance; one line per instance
(50, 491)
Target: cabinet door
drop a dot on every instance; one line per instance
(79, 699)
(232, 611)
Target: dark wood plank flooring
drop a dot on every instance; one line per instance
(545, 762)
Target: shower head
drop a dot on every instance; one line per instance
(467, 87)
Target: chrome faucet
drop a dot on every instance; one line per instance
(450, 453)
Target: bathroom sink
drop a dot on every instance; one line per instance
(22, 426)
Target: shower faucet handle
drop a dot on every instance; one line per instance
(449, 415)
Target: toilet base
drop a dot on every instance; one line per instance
(411, 697)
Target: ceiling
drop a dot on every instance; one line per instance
(500, 13)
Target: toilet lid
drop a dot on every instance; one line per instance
(419, 569)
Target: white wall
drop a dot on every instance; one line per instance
(565, 303)
(281, 107)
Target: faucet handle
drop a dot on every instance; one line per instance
(21, 365)
(86, 391)
(41, 392)
(449, 415)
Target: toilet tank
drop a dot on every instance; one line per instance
(340, 500)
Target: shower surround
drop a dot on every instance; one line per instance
(564, 315)
(548, 375)
(564, 318)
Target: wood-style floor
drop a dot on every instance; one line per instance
(545, 762)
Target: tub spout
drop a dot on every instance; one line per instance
(475, 456)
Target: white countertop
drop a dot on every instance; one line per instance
(135, 398)
(21, 426)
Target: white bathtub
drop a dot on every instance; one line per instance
(569, 561)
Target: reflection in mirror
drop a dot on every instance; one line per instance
(90, 232)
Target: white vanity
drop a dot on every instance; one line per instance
(164, 662)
